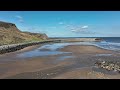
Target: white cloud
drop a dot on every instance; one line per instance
(86, 32)
(61, 23)
(80, 29)
(19, 18)
(74, 30)
(77, 27)
(21, 21)
(67, 26)
(84, 27)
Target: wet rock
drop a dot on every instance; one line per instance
(15, 47)
(110, 66)
(98, 39)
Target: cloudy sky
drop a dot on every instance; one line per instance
(66, 23)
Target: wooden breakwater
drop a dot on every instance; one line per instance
(15, 47)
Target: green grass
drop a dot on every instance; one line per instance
(24, 41)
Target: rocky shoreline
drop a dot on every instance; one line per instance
(109, 65)
(14, 47)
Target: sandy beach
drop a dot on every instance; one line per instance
(79, 65)
(59, 45)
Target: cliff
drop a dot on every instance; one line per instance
(10, 34)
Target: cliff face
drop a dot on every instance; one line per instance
(38, 35)
(10, 34)
(6, 25)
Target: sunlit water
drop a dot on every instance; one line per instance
(36, 53)
(103, 54)
(53, 49)
(65, 57)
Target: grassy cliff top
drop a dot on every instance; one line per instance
(10, 34)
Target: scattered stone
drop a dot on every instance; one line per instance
(110, 66)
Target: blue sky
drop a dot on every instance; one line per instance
(66, 23)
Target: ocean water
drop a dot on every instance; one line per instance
(110, 43)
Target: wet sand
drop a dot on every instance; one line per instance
(81, 66)
(82, 49)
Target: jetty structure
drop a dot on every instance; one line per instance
(16, 47)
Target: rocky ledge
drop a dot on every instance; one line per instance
(109, 65)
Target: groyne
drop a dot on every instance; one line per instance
(15, 47)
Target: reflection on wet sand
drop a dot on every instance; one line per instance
(56, 61)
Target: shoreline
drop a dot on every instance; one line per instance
(51, 67)
(64, 49)
(15, 47)
(29, 48)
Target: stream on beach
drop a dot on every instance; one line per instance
(53, 49)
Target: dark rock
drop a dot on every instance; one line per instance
(110, 66)
(98, 39)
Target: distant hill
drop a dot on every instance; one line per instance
(10, 34)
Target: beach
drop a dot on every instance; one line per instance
(59, 45)
(76, 65)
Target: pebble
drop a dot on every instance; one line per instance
(110, 66)
(48, 74)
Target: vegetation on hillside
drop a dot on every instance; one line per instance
(10, 34)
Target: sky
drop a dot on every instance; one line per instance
(66, 23)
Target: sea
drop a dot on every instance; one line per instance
(110, 43)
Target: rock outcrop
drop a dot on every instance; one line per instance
(110, 66)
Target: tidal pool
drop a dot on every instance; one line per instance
(53, 49)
